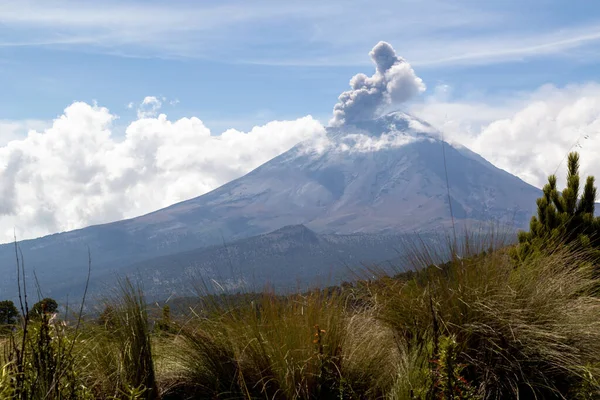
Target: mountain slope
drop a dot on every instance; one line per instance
(384, 175)
(290, 257)
(392, 181)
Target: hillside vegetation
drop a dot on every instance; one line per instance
(489, 322)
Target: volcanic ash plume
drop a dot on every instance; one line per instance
(394, 82)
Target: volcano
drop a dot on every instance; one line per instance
(389, 175)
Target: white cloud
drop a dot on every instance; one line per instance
(361, 143)
(149, 107)
(356, 143)
(11, 130)
(529, 134)
(76, 172)
(497, 47)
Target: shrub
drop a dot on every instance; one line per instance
(122, 352)
(530, 331)
(8, 316)
(295, 347)
(44, 306)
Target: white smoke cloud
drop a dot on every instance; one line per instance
(528, 135)
(357, 143)
(78, 172)
(394, 82)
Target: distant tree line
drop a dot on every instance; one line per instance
(9, 314)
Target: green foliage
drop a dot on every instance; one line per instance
(473, 327)
(562, 217)
(124, 349)
(589, 387)
(132, 393)
(7, 387)
(8, 313)
(44, 306)
(47, 367)
(541, 320)
(293, 347)
(165, 324)
(108, 317)
(448, 379)
(414, 380)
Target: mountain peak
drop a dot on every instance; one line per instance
(382, 175)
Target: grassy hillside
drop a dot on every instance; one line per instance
(480, 326)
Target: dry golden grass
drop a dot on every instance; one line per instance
(478, 327)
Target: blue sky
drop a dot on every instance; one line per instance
(112, 109)
(238, 63)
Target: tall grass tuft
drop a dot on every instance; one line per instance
(471, 322)
(121, 349)
(40, 360)
(523, 331)
(304, 346)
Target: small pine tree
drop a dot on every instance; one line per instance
(563, 216)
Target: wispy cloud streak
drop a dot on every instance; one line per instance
(430, 33)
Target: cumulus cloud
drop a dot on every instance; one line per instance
(149, 107)
(529, 134)
(11, 130)
(393, 82)
(78, 172)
